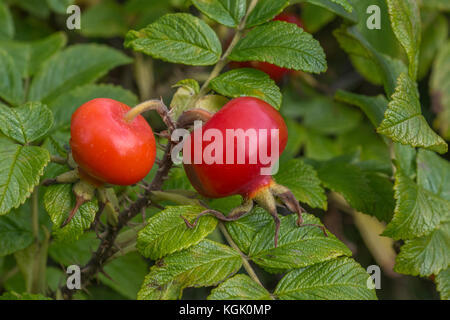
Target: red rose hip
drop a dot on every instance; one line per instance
(109, 148)
(243, 128)
(224, 179)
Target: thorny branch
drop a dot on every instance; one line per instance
(107, 246)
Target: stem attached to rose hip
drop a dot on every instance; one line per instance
(157, 105)
(188, 117)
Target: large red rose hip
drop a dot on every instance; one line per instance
(245, 128)
(241, 119)
(109, 148)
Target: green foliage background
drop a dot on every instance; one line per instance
(368, 113)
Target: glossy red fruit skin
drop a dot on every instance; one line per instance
(108, 148)
(275, 72)
(221, 180)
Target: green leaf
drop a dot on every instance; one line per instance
(434, 35)
(38, 9)
(148, 11)
(340, 7)
(24, 296)
(283, 44)
(417, 211)
(297, 246)
(376, 67)
(186, 93)
(204, 264)
(15, 231)
(211, 102)
(426, 255)
(319, 146)
(226, 204)
(382, 40)
(248, 82)
(373, 151)
(344, 3)
(29, 56)
(383, 203)
(296, 141)
(304, 183)
(366, 192)
(178, 180)
(433, 173)
(11, 88)
(20, 169)
(226, 12)
(68, 102)
(373, 107)
(182, 99)
(59, 6)
(244, 230)
(405, 157)
(166, 232)
(264, 11)
(315, 17)
(26, 123)
(443, 284)
(403, 120)
(406, 24)
(127, 273)
(325, 116)
(440, 89)
(54, 277)
(190, 84)
(240, 287)
(77, 65)
(105, 13)
(177, 38)
(56, 144)
(338, 279)
(6, 22)
(443, 5)
(78, 252)
(58, 201)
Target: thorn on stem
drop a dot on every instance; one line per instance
(79, 202)
(107, 275)
(188, 224)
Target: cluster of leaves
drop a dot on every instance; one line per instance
(43, 82)
(422, 207)
(315, 267)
